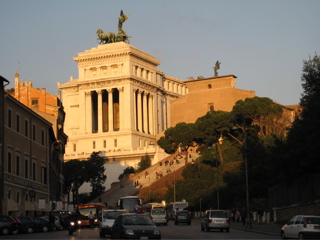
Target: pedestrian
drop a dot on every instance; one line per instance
(91, 217)
(51, 221)
(238, 215)
(260, 215)
(243, 217)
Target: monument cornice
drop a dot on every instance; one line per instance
(113, 50)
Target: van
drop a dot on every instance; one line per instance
(159, 216)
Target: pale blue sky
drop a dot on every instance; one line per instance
(262, 42)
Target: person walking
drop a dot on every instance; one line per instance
(238, 215)
(91, 217)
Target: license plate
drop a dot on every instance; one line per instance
(219, 221)
(143, 237)
(316, 227)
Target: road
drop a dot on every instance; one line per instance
(171, 231)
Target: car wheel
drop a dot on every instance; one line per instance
(221, 230)
(176, 223)
(101, 234)
(202, 229)
(45, 229)
(283, 235)
(30, 230)
(228, 230)
(301, 236)
(5, 231)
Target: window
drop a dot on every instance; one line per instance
(42, 137)
(115, 143)
(18, 165)
(104, 143)
(9, 162)
(33, 171)
(27, 196)
(33, 132)
(34, 102)
(211, 107)
(26, 168)
(74, 147)
(94, 144)
(9, 194)
(26, 128)
(9, 118)
(209, 86)
(18, 123)
(44, 175)
(18, 197)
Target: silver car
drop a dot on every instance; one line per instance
(215, 219)
(106, 220)
(302, 226)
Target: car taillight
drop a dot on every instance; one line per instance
(305, 222)
(151, 217)
(227, 221)
(166, 217)
(210, 220)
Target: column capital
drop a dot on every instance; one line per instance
(110, 90)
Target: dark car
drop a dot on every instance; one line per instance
(182, 216)
(42, 225)
(134, 226)
(26, 225)
(8, 225)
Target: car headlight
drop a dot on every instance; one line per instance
(156, 232)
(79, 222)
(129, 232)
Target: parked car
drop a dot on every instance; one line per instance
(302, 226)
(215, 219)
(63, 216)
(42, 224)
(57, 224)
(106, 220)
(159, 216)
(26, 225)
(182, 216)
(132, 225)
(8, 225)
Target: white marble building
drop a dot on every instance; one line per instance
(118, 105)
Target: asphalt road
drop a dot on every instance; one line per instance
(171, 231)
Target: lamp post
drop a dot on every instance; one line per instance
(247, 180)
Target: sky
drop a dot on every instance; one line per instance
(262, 42)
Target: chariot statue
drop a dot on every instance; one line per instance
(110, 37)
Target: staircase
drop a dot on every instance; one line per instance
(128, 185)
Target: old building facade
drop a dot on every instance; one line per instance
(26, 153)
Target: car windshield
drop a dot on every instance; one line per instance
(137, 220)
(218, 214)
(158, 212)
(112, 214)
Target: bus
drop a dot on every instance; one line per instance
(84, 210)
(129, 203)
(149, 206)
(173, 208)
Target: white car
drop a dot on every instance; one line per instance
(302, 226)
(159, 216)
(106, 220)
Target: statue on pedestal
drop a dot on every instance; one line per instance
(110, 37)
(216, 68)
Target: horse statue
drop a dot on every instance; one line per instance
(105, 37)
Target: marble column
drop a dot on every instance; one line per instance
(99, 111)
(88, 112)
(110, 110)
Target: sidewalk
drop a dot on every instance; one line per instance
(265, 228)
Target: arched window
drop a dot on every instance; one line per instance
(209, 86)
